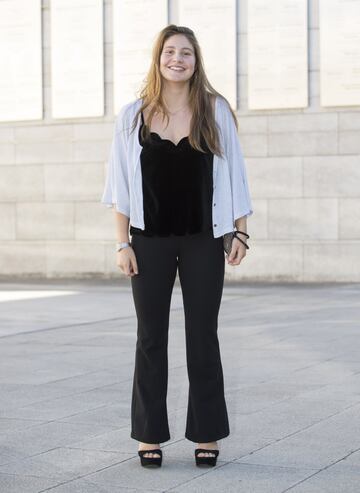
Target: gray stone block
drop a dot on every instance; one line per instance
(64, 464)
(24, 484)
(243, 478)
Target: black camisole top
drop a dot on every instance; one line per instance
(177, 182)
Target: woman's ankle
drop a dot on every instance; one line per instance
(149, 445)
(207, 444)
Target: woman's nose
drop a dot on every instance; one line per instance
(178, 56)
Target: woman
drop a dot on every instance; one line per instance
(176, 175)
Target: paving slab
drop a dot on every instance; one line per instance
(11, 483)
(292, 387)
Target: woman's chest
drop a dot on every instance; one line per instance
(174, 129)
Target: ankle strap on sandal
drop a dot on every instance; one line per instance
(157, 450)
(210, 451)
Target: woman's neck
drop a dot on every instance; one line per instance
(175, 97)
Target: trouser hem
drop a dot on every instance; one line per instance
(146, 439)
(206, 439)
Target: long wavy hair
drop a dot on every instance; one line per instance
(203, 118)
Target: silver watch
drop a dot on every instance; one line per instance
(121, 245)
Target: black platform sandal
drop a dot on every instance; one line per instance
(150, 461)
(206, 461)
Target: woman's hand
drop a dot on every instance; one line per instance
(126, 260)
(238, 252)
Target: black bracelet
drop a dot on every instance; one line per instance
(242, 232)
(243, 242)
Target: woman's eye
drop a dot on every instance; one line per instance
(169, 52)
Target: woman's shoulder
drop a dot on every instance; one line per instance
(222, 102)
(225, 113)
(127, 112)
(129, 107)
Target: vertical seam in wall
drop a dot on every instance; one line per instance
(237, 56)
(42, 60)
(337, 198)
(46, 30)
(302, 277)
(15, 220)
(74, 220)
(302, 179)
(309, 78)
(104, 59)
(303, 242)
(104, 264)
(43, 184)
(74, 201)
(338, 218)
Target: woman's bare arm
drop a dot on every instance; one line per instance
(241, 224)
(121, 226)
(125, 259)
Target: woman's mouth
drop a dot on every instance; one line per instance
(177, 69)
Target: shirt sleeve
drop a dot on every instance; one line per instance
(116, 190)
(242, 205)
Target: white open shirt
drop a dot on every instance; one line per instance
(123, 187)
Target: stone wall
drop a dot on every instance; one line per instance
(303, 168)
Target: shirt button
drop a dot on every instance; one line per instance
(214, 204)
(215, 225)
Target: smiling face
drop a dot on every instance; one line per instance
(177, 60)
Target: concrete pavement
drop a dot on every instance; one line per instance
(292, 379)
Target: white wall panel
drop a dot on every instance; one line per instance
(20, 60)
(77, 73)
(214, 25)
(339, 52)
(277, 54)
(135, 26)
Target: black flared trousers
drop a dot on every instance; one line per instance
(200, 261)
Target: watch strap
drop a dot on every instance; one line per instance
(121, 245)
